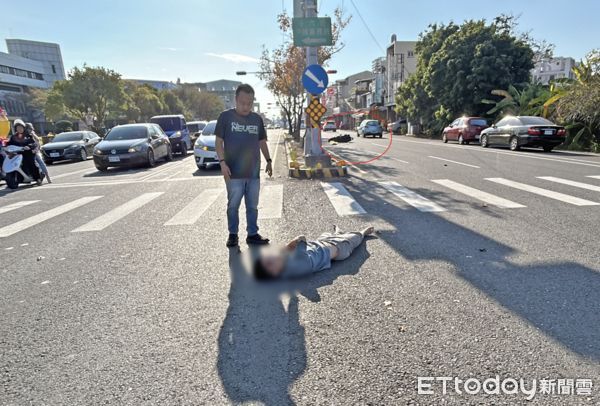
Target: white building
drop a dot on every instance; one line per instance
(401, 61)
(27, 64)
(548, 70)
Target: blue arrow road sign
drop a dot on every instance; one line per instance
(315, 79)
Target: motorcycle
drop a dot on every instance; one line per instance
(11, 167)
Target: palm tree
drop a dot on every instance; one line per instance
(528, 101)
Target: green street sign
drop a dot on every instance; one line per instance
(312, 31)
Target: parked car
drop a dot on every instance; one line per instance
(132, 145)
(524, 131)
(395, 127)
(329, 126)
(465, 130)
(195, 129)
(72, 145)
(370, 127)
(204, 148)
(176, 129)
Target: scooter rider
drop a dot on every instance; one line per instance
(21, 138)
(38, 155)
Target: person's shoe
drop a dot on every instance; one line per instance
(232, 241)
(39, 182)
(256, 239)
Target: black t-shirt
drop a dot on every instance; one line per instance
(27, 141)
(241, 136)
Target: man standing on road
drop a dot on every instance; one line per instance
(240, 137)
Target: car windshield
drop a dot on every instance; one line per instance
(330, 123)
(478, 121)
(210, 128)
(372, 123)
(535, 121)
(168, 123)
(127, 133)
(68, 137)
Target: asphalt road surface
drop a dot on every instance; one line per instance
(117, 287)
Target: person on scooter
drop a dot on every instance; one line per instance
(38, 155)
(21, 138)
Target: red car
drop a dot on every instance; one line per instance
(465, 130)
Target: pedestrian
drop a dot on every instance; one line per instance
(22, 138)
(301, 257)
(38, 153)
(240, 138)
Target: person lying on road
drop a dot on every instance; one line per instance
(301, 257)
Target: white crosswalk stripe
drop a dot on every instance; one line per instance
(544, 192)
(196, 208)
(271, 202)
(341, 200)
(594, 176)
(479, 194)
(568, 182)
(417, 201)
(16, 205)
(118, 213)
(46, 215)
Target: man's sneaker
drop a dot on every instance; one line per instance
(257, 239)
(233, 240)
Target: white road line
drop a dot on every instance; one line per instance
(17, 205)
(196, 208)
(479, 194)
(571, 183)
(454, 162)
(159, 171)
(399, 160)
(64, 175)
(117, 213)
(414, 199)
(379, 145)
(501, 152)
(275, 152)
(544, 192)
(271, 202)
(594, 176)
(341, 200)
(47, 215)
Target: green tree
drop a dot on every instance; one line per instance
(459, 66)
(529, 100)
(198, 104)
(172, 104)
(88, 91)
(143, 102)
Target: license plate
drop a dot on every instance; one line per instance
(114, 159)
(54, 154)
(548, 132)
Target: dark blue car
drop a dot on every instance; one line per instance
(176, 129)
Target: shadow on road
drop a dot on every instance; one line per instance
(561, 299)
(262, 348)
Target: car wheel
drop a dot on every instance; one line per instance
(548, 148)
(461, 140)
(444, 138)
(48, 161)
(12, 180)
(183, 150)
(484, 141)
(83, 155)
(169, 156)
(514, 144)
(150, 163)
(102, 168)
(380, 135)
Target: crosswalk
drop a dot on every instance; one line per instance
(344, 200)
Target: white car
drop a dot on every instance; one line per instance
(330, 126)
(204, 147)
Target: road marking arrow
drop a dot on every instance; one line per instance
(315, 79)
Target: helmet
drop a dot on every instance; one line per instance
(29, 126)
(19, 122)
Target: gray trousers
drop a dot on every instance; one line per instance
(344, 242)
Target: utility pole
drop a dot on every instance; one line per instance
(313, 153)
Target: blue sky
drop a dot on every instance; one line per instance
(201, 40)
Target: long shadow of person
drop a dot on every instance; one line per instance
(262, 349)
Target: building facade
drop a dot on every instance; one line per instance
(401, 63)
(156, 84)
(28, 64)
(223, 88)
(548, 70)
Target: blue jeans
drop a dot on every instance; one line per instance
(249, 189)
